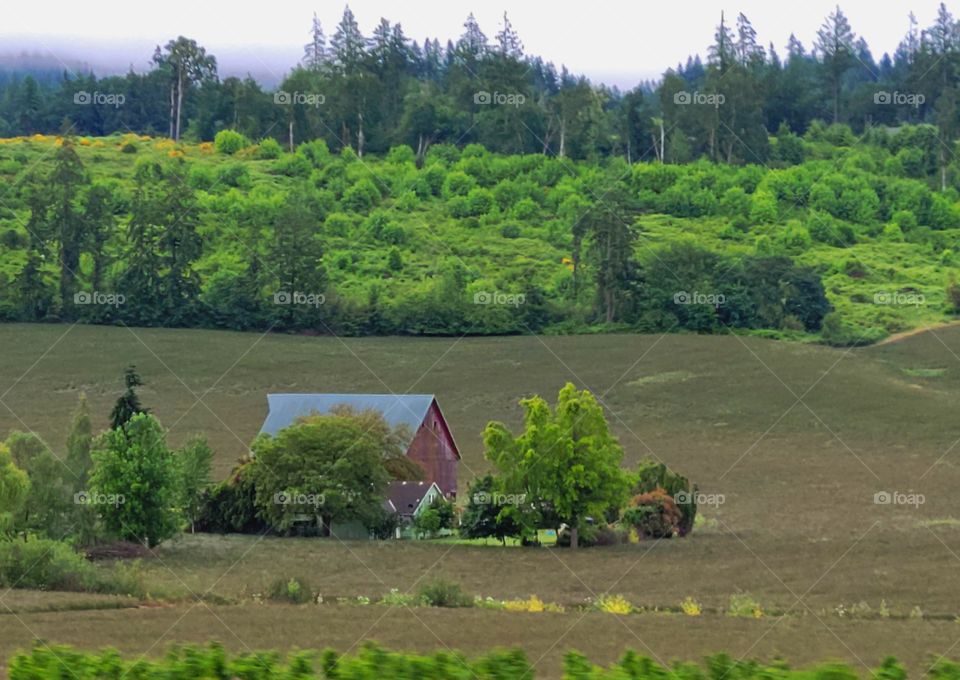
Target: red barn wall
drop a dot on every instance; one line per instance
(433, 448)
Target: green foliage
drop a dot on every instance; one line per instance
(135, 480)
(193, 461)
(190, 662)
(371, 662)
(361, 197)
(323, 466)
(42, 564)
(128, 405)
(486, 514)
(14, 491)
(292, 591)
(49, 507)
(442, 593)
(230, 506)
(229, 142)
(652, 475)
(565, 458)
(269, 149)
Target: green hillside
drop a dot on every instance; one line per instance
(223, 235)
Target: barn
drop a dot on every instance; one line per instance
(431, 444)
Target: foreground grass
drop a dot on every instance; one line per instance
(544, 639)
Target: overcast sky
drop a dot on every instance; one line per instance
(615, 42)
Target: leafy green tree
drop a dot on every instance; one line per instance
(185, 63)
(484, 516)
(566, 457)
(324, 466)
(135, 480)
(194, 461)
(14, 489)
(79, 444)
(48, 508)
(128, 405)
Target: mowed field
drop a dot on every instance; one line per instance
(797, 438)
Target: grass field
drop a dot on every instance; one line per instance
(798, 439)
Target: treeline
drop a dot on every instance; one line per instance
(373, 92)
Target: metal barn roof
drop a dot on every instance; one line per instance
(397, 409)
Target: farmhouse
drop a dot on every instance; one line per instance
(431, 443)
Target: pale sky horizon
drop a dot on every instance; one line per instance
(618, 43)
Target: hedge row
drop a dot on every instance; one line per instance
(374, 663)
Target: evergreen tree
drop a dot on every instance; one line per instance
(835, 49)
(315, 51)
(128, 405)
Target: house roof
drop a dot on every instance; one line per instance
(406, 497)
(397, 409)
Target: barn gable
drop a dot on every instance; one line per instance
(431, 443)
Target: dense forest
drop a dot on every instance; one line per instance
(389, 187)
(374, 92)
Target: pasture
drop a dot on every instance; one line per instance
(797, 438)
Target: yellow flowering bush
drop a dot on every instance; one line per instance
(532, 604)
(613, 604)
(691, 607)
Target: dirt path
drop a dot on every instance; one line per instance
(897, 337)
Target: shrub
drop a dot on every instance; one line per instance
(441, 593)
(268, 149)
(229, 142)
(293, 591)
(741, 604)
(458, 183)
(654, 514)
(293, 165)
(128, 147)
(479, 201)
(401, 154)
(524, 209)
(338, 224)
(510, 231)
(42, 564)
(691, 607)
(234, 175)
(316, 152)
(763, 207)
(201, 177)
(613, 604)
(361, 196)
(395, 263)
